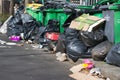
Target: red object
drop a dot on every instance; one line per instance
(52, 35)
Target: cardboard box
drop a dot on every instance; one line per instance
(86, 22)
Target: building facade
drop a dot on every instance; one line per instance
(4, 6)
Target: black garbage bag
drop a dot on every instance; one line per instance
(31, 27)
(14, 30)
(14, 25)
(23, 23)
(16, 19)
(60, 46)
(30, 30)
(26, 18)
(100, 51)
(74, 46)
(39, 38)
(113, 57)
(91, 39)
(71, 34)
(51, 45)
(52, 26)
(53, 5)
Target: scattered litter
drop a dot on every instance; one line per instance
(22, 35)
(2, 42)
(95, 71)
(58, 54)
(108, 79)
(10, 43)
(87, 64)
(14, 38)
(37, 46)
(84, 72)
(76, 68)
(19, 44)
(52, 35)
(79, 73)
(29, 41)
(83, 76)
(61, 56)
(5, 46)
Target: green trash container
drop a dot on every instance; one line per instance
(62, 17)
(112, 28)
(31, 12)
(56, 14)
(99, 15)
(112, 25)
(35, 14)
(28, 10)
(116, 26)
(40, 17)
(49, 14)
(112, 16)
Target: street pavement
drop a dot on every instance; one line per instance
(26, 63)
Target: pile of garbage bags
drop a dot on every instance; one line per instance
(75, 43)
(79, 44)
(22, 25)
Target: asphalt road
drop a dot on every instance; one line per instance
(26, 63)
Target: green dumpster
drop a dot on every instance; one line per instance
(116, 26)
(112, 28)
(49, 14)
(28, 10)
(35, 14)
(99, 15)
(56, 14)
(62, 17)
(116, 17)
(40, 17)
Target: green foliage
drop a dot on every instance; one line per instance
(3, 17)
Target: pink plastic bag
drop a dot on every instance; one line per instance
(15, 38)
(89, 63)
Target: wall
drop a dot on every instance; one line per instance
(4, 6)
(0, 6)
